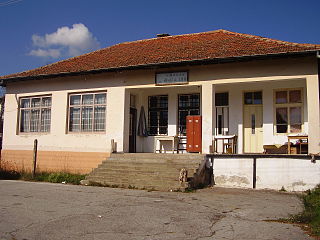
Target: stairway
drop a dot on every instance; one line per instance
(146, 170)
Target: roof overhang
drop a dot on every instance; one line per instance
(246, 58)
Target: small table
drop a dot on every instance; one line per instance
(298, 137)
(173, 139)
(228, 141)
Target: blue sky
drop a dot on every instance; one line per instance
(34, 33)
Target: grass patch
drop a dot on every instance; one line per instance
(57, 177)
(311, 213)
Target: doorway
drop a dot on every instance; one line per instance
(253, 122)
(132, 130)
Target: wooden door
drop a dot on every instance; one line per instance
(253, 131)
(194, 134)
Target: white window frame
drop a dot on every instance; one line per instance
(93, 105)
(287, 105)
(30, 108)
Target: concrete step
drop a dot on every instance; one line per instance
(146, 170)
(141, 184)
(167, 156)
(121, 172)
(151, 166)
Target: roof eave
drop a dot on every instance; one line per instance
(4, 81)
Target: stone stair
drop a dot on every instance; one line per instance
(146, 170)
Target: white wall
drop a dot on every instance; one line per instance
(233, 172)
(271, 173)
(291, 174)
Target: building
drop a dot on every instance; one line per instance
(256, 90)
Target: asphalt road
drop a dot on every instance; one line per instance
(58, 211)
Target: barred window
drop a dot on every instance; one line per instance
(35, 114)
(158, 115)
(87, 112)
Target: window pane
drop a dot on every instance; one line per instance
(86, 118)
(281, 97)
(153, 130)
(35, 102)
(194, 100)
(99, 118)
(295, 115)
(248, 98)
(282, 128)
(46, 102)
(295, 96)
(163, 102)
(74, 119)
(24, 121)
(257, 98)
(222, 99)
(153, 102)
(100, 98)
(183, 101)
(25, 103)
(45, 120)
(295, 128)
(75, 99)
(282, 116)
(87, 99)
(163, 121)
(34, 120)
(153, 118)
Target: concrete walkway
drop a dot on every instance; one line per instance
(55, 211)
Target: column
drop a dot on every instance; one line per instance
(313, 106)
(117, 124)
(208, 113)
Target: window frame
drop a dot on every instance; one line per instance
(158, 110)
(224, 110)
(32, 108)
(287, 105)
(69, 106)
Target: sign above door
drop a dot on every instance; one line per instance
(170, 78)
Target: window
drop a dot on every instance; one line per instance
(252, 98)
(158, 115)
(87, 112)
(35, 114)
(222, 113)
(189, 104)
(288, 111)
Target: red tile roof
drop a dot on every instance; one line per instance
(219, 44)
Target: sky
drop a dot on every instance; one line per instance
(34, 33)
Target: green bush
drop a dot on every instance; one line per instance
(58, 177)
(311, 213)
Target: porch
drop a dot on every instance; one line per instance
(255, 113)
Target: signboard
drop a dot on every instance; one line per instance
(171, 78)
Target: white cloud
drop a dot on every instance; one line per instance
(53, 53)
(68, 41)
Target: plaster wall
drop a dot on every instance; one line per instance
(233, 172)
(290, 174)
(233, 77)
(271, 173)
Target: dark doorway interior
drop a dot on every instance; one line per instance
(132, 130)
